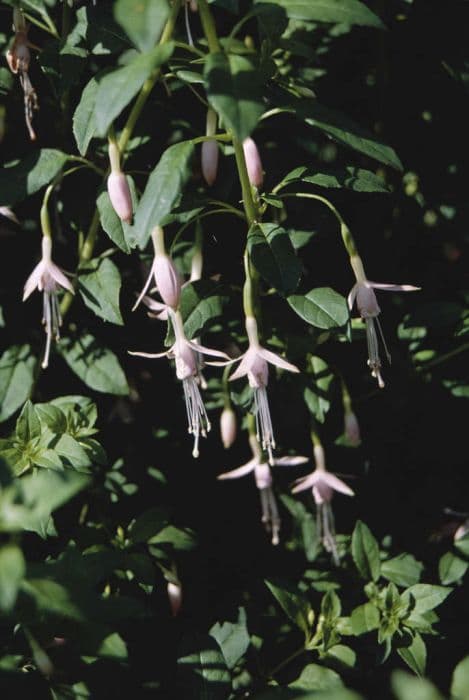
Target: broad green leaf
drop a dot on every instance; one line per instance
(315, 677)
(163, 190)
(234, 90)
(272, 254)
(177, 538)
(364, 618)
(97, 366)
(344, 654)
(334, 11)
(415, 655)
(350, 178)
(28, 425)
(426, 597)
(120, 232)
(460, 680)
(294, 604)
(321, 307)
(19, 180)
(17, 367)
(118, 88)
(201, 303)
(99, 284)
(148, 524)
(12, 570)
(84, 122)
(233, 638)
(73, 452)
(202, 671)
(316, 394)
(113, 647)
(142, 20)
(451, 568)
(407, 687)
(365, 552)
(403, 570)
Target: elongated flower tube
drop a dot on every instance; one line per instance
(323, 485)
(210, 151)
(118, 187)
(184, 352)
(362, 293)
(164, 272)
(253, 162)
(254, 364)
(263, 478)
(48, 278)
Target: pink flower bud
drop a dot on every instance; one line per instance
(167, 280)
(119, 194)
(253, 162)
(228, 427)
(351, 428)
(209, 159)
(175, 597)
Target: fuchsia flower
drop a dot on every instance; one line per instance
(263, 477)
(362, 293)
(118, 187)
(164, 272)
(48, 278)
(323, 485)
(254, 364)
(253, 162)
(184, 352)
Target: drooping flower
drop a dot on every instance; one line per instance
(18, 59)
(164, 272)
(254, 364)
(210, 151)
(363, 294)
(48, 278)
(228, 427)
(184, 352)
(253, 162)
(263, 478)
(323, 485)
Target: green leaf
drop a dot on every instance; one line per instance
(272, 254)
(426, 596)
(118, 88)
(336, 11)
(177, 538)
(71, 450)
(120, 232)
(365, 552)
(415, 655)
(451, 568)
(407, 687)
(84, 122)
(350, 178)
(315, 677)
(12, 570)
(294, 604)
(364, 618)
(234, 90)
(98, 367)
(403, 570)
(316, 395)
(22, 179)
(201, 303)
(28, 425)
(321, 307)
(99, 284)
(460, 680)
(233, 638)
(163, 190)
(142, 20)
(202, 669)
(462, 545)
(112, 647)
(344, 654)
(17, 367)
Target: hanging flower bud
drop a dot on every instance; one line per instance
(118, 187)
(164, 272)
(352, 429)
(210, 150)
(228, 427)
(175, 597)
(253, 162)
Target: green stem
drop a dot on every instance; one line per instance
(86, 254)
(45, 219)
(285, 662)
(443, 358)
(248, 201)
(208, 26)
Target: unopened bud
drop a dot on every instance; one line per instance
(253, 162)
(166, 276)
(228, 427)
(119, 194)
(351, 428)
(210, 153)
(175, 597)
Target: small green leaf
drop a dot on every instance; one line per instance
(336, 11)
(12, 570)
(365, 552)
(272, 254)
(97, 366)
(84, 122)
(201, 303)
(28, 425)
(233, 638)
(364, 618)
(350, 178)
(22, 179)
(403, 570)
(142, 20)
(117, 88)
(294, 604)
(415, 655)
(321, 307)
(451, 568)
(17, 367)
(99, 284)
(163, 190)
(234, 90)
(315, 677)
(426, 597)
(202, 671)
(460, 680)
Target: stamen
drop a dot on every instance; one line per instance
(188, 25)
(264, 429)
(374, 362)
(197, 419)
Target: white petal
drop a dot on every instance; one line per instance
(394, 287)
(239, 471)
(207, 351)
(144, 290)
(274, 359)
(244, 366)
(352, 296)
(33, 280)
(151, 355)
(59, 277)
(290, 461)
(306, 482)
(335, 483)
